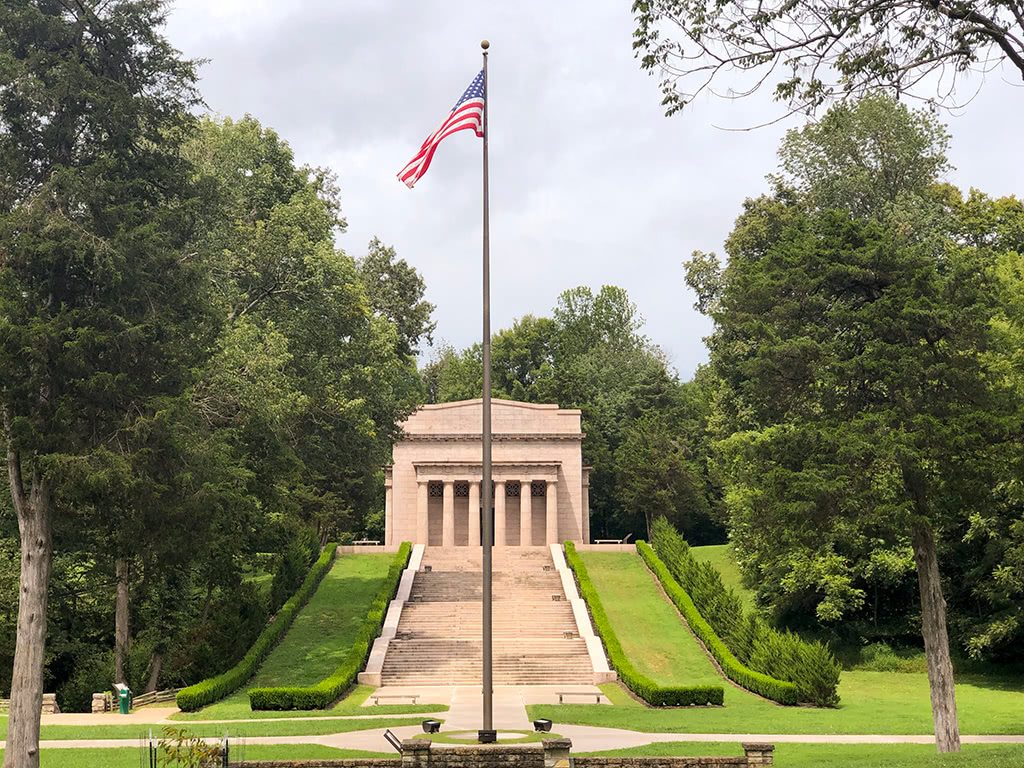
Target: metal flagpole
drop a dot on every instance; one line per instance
(487, 734)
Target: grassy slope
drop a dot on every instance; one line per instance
(321, 635)
(852, 755)
(650, 629)
(722, 557)
(872, 702)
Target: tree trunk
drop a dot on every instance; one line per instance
(936, 640)
(155, 667)
(122, 636)
(34, 527)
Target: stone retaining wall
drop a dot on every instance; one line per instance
(552, 753)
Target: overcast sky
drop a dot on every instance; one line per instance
(590, 183)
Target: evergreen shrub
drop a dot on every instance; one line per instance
(644, 687)
(330, 689)
(215, 688)
(749, 640)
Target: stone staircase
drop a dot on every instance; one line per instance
(536, 641)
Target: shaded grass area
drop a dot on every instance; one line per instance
(723, 558)
(236, 730)
(872, 702)
(351, 705)
(850, 755)
(321, 635)
(129, 757)
(650, 630)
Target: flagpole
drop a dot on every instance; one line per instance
(487, 734)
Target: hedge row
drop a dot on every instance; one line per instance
(215, 688)
(734, 669)
(330, 689)
(643, 686)
(750, 640)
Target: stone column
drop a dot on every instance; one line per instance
(585, 522)
(525, 513)
(552, 513)
(499, 513)
(448, 515)
(389, 523)
(759, 754)
(422, 498)
(474, 514)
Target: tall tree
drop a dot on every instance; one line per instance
(97, 295)
(816, 51)
(859, 411)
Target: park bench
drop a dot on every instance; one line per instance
(413, 697)
(624, 540)
(366, 543)
(596, 694)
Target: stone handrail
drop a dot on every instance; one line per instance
(375, 663)
(598, 660)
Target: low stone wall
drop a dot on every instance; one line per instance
(552, 753)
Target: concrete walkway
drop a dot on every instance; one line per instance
(584, 739)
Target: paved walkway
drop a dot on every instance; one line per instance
(584, 739)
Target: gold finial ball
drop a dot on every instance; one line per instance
(485, 44)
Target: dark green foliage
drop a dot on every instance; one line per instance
(292, 564)
(330, 689)
(777, 665)
(647, 689)
(215, 688)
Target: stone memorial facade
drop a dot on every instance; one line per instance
(540, 486)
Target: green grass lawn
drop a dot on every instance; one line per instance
(129, 757)
(871, 702)
(851, 755)
(647, 625)
(724, 559)
(321, 635)
(293, 727)
(351, 705)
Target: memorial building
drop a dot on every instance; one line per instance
(541, 493)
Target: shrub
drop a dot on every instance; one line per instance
(760, 648)
(769, 687)
(215, 688)
(643, 686)
(330, 689)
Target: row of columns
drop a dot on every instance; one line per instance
(500, 537)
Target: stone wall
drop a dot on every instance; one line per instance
(552, 753)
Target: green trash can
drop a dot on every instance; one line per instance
(124, 699)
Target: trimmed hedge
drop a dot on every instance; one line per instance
(215, 688)
(759, 647)
(776, 690)
(644, 687)
(330, 689)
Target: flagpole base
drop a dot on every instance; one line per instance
(487, 737)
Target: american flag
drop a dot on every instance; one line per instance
(467, 114)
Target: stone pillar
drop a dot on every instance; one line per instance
(552, 513)
(422, 499)
(556, 752)
(759, 754)
(389, 513)
(448, 515)
(474, 514)
(415, 753)
(525, 513)
(585, 522)
(499, 513)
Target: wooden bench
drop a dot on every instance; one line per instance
(596, 694)
(377, 696)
